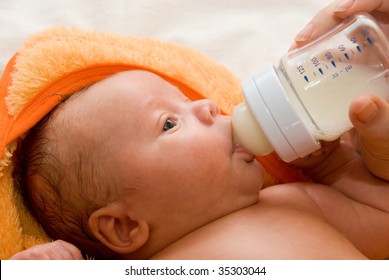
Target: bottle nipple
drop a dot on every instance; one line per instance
(247, 133)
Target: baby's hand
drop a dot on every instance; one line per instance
(56, 250)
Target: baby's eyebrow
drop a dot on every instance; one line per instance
(179, 92)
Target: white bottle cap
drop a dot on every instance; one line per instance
(273, 111)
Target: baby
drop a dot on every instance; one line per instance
(129, 168)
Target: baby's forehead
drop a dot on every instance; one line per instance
(137, 85)
(119, 93)
(106, 98)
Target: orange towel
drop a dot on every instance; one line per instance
(61, 61)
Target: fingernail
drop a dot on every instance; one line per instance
(304, 34)
(367, 113)
(292, 47)
(343, 5)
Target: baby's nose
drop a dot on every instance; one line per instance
(205, 110)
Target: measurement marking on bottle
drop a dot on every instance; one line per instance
(321, 71)
(333, 63)
(369, 40)
(346, 56)
(352, 52)
(359, 48)
(306, 78)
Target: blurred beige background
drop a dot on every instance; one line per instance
(243, 35)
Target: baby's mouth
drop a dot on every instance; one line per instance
(249, 157)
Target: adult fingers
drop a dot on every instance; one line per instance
(331, 15)
(348, 7)
(321, 23)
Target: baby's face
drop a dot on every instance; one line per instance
(179, 153)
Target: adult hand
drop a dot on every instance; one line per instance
(56, 250)
(370, 140)
(369, 114)
(333, 14)
(370, 117)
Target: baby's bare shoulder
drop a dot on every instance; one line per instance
(311, 197)
(285, 218)
(299, 195)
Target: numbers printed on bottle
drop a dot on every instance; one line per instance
(301, 69)
(315, 61)
(342, 48)
(329, 55)
(348, 68)
(365, 33)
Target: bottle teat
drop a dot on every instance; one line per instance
(247, 133)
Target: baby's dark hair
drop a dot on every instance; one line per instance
(63, 182)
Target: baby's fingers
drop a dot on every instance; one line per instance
(370, 117)
(56, 250)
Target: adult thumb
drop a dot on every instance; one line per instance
(370, 117)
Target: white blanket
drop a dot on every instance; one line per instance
(243, 35)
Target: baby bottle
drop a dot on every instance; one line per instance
(306, 98)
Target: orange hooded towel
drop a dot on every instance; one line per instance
(61, 61)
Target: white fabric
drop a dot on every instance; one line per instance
(243, 35)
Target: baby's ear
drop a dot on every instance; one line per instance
(118, 228)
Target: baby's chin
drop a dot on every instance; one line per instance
(259, 174)
(261, 170)
(255, 176)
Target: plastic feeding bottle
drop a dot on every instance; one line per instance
(306, 98)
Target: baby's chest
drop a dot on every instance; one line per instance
(262, 232)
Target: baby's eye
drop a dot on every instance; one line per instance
(169, 124)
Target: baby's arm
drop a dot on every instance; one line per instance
(358, 205)
(56, 250)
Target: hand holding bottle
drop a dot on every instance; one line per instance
(306, 98)
(370, 117)
(333, 14)
(368, 114)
